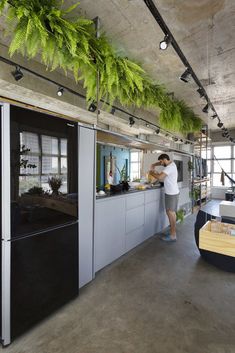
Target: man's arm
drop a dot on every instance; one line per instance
(154, 165)
(159, 176)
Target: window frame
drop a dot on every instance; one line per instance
(40, 155)
(138, 163)
(232, 163)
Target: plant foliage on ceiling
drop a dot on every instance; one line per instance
(46, 28)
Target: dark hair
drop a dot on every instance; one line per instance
(163, 156)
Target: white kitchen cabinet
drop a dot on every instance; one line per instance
(134, 200)
(109, 237)
(134, 238)
(134, 218)
(124, 221)
(152, 222)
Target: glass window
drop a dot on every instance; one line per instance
(29, 142)
(209, 166)
(63, 146)
(135, 159)
(134, 156)
(29, 164)
(225, 164)
(216, 179)
(206, 154)
(63, 165)
(222, 152)
(49, 165)
(49, 145)
(28, 182)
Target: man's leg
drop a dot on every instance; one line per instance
(172, 220)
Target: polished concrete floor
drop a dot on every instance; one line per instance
(159, 298)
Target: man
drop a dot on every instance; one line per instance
(169, 175)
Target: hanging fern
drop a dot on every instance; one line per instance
(45, 28)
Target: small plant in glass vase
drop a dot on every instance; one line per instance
(124, 178)
(55, 183)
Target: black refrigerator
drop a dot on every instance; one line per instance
(39, 199)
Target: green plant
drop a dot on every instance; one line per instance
(123, 173)
(24, 163)
(65, 40)
(36, 190)
(55, 183)
(190, 166)
(180, 215)
(195, 193)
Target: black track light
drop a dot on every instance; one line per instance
(225, 134)
(205, 109)
(214, 116)
(231, 139)
(163, 45)
(17, 74)
(131, 121)
(112, 111)
(200, 91)
(186, 75)
(60, 91)
(157, 131)
(175, 138)
(220, 124)
(92, 107)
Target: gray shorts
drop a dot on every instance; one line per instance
(171, 202)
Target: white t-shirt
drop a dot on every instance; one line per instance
(170, 181)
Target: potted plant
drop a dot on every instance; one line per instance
(180, 215)
(55, 183)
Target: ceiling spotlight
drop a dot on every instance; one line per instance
(225, 134)
(17, 74)
(131, 121)
(92, 107)
(186, 75)
(113, 110)
(174, 138)
(200, 91)
(231, 139)
(163, 45)
(60, 91)
(205, 109)
(214, 116)
(157, 131)
(220, 124)
(147, 125)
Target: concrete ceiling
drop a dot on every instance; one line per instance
(204, 30)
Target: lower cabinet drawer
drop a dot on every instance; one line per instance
(135, 200)
(134, 238)
(134, 219)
